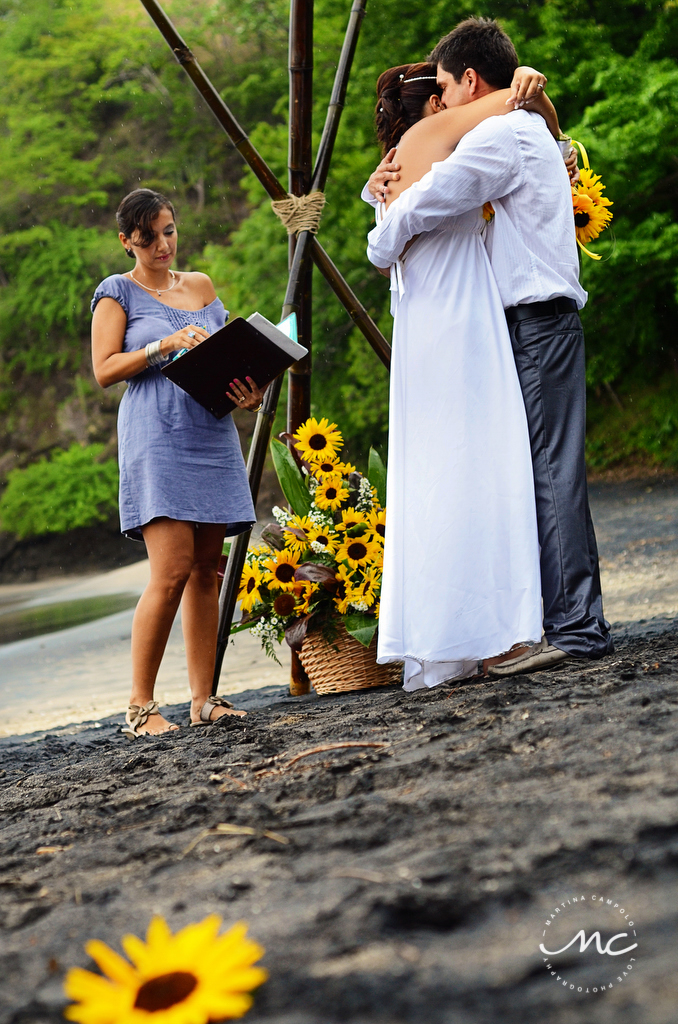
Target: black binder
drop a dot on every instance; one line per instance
(253, 348)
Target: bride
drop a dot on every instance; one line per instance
(461, 582)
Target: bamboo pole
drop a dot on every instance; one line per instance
(300, 166)
(338, 97)
(300, 169)
(214, 101)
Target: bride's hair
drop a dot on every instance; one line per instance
(401, 95)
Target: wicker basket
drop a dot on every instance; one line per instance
(345, 664)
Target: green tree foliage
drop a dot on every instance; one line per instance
(70, 489)
(92, 104)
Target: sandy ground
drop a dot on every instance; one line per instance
(405, 882)
(409, 880)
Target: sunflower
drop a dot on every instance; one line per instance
(377, 522)
(192, 977)
(351, 517)
(364, 593)
(284, 605)
(359, 552)
(589, 218)
(346, 582)
(330, 493)
(378, 560)
(250, 583)
(327, 468)
(318, 441)
(323, 541)
(281, 569)
(302, 524)
(304, 592)
(591, 185)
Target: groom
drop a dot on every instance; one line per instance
(513, 162)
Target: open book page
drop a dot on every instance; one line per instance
(276, 335)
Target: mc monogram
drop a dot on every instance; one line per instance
(584, 943)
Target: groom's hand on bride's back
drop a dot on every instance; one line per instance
(385, 172)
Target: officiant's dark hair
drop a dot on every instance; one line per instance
(401, 95)
(481, 44)
(136, 213)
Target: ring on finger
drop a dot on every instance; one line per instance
(191, 334)
(540, 86)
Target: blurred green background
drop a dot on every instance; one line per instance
(92, 104)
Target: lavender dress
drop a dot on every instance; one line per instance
(175, 458)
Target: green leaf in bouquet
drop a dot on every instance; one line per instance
(361, 627)
(291, 480)
(376, 474)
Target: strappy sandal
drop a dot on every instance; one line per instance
(137, 716)
(208, 707)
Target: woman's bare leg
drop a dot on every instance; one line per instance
(199, 617)
(170, 546)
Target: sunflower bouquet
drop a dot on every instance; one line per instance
(323, 557)
(591, 208)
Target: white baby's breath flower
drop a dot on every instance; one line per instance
(360, 606)
(365, 499)
(320, 518)
(281, 515)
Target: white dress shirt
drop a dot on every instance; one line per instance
(513, 162)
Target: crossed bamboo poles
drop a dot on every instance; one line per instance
(302, 249)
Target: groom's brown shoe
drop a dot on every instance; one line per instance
(542, 655)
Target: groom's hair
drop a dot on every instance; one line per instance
(481, 44)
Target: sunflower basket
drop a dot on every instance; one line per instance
(343, 663)
(315, 581)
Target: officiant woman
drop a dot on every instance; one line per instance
(183, 483)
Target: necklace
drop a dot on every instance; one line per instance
(158, 290)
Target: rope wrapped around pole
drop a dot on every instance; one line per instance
(300, 213)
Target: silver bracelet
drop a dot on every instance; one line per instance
(154, 354)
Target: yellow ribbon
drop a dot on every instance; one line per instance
(593, 255)
(587, 167)
(584, 154)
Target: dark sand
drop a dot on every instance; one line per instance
(416, 877)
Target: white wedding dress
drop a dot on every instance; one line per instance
(461, 560)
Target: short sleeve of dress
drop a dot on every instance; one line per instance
(113, 287)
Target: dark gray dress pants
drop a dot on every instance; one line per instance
(549, 354)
